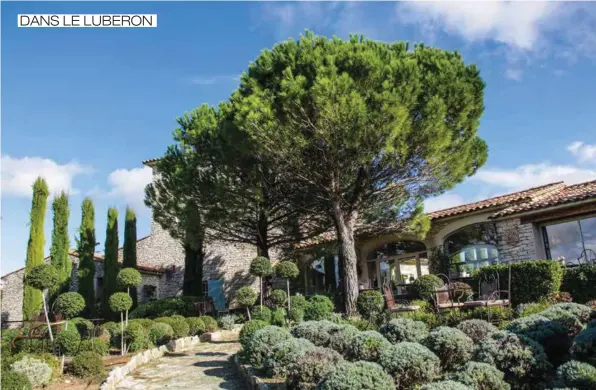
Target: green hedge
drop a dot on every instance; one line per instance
(580, 282)
(531, 280)
(184, 306)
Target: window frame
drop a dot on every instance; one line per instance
(488, 244)
(544, 233)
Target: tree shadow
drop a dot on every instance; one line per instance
(211, 354)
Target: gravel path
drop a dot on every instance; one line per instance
(204, 367)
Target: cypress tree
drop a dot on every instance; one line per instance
(86, 249)
(60, 245)
(110, 264)
(32, 299)
(129, 252)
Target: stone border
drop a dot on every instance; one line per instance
(247, 373)
(117, 374)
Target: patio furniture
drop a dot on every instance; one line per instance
(448, 297)
(204, 307)
(399, 306)
(491, 293)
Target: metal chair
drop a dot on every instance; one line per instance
(399, 306)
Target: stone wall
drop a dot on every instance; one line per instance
(12, 297)
(516, 241)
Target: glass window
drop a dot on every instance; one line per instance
(396, 248)
(568, 241)
(473, 247)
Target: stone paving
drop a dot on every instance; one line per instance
(205, 366)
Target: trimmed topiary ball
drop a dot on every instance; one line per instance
(96, 345)
(179, 325)
(278, 316)
(566, 319)
(577, 375)
(114, 330)
(261, 314)
(584, 346)
(282, 357)
(15, 380)
(278, 298)
(451, 345)
(260, 266)
(477, 330)
(446, 385)
(68, 341)
(425, 286)
(87, 364)
(137, 337)
(160, 333)
(480, 376)
(298, 301)
(144, 322)
(367, 346)
(370, 304)
(69, 304)
(286, 270)
(42, 277)
(296, 314)
(196, 326)
(260, 345)
(342, 338)
(582, 312)
(317, 332)
(83, 326)
(128, 278)
(311, 367)
(521, 359)
(410, 364)
(246, 296)
(210, 323)
(120, 302)
(404, 329)
(38, 372)
(357, 376)
(248, 329)
(319, 308)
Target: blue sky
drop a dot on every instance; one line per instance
(83, 107)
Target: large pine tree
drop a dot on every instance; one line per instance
(86, 249)
(129, 251)
(110, 264)
(61, 244)
(32, 300)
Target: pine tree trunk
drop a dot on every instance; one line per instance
(345, 234)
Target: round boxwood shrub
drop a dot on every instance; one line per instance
(451, 345)
(15, 380)
(38, 372)
(296, 314)
(260, 266)
(577, 375)
(69, 304)
(248, 329)
(261, 314)
(566, 319)
(137, 337)
(582, 312)
(477, 330)
(298, 301)
(210, 323)
(319, 308)
(520, 358)
(184, 306)
(410, 364)
(461, 291)
(480, 376)
(246, 297)
(42, 277)
(262, 342)
(128, 277)
(144, 322)
(425, 286)
(286, 270)
(68, 341)
(367, 346)
(317, 332)
(278, 316)
(87, 364)
(342, 338)
(370, 304)
(278, 298)
(115, 332)
(179, 325)
(311, 367)
(83, 326)
(196, 326)
(404, 329)
(120, 302)
(160, 333)
(584, 346)
(282, 357)
(357, 376)
(96, 345)
(446, 385)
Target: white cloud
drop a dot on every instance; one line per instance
(514, 74)
(18, 175)
(129, 184)
(444, 201)
(583, 152)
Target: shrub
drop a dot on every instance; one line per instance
(425, 286)
(184, 306)
(68, 341)
(298, 301)
(260, 266)
(42, 277)
(246, 297)
(144, 322)
(577, 375)
(69, 304)
(136, 337)
(531, 281)
(559, 297)
(227, 322)
(248, 329)
(278, 298)
(210, 323)
(581, 312)
(480, 376)
(584, 346)
(296, 314)
(15, 380)
(278, 316)
(566, 319)
(160, 333)
(410, 364)
(179, 325)
(445, 385)
(520, 358)
(286, 270)
(128, 278)
(311, 367)
(319, 308)
(115, 332)
(317, 332)
(342, 338)
(462, 292)
(357, 376)
(367, 346)
(37, 371)
(361, 323)
(96, 345)
(261, 314)
(430, 319)
(196, 326)
(497, 313)
(404, 329)
(370, 304)
(282, 357)
(451, 345)
(262, 341)
(528, 309)
(580, 282)
(83, 326)
(120, 302)
(87, 364)
(477, 330)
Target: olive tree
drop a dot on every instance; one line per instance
(287, 270)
